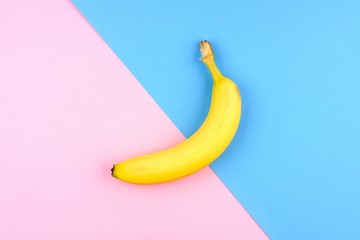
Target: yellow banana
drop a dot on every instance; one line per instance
(203, 147)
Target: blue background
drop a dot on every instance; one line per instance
(295, 161)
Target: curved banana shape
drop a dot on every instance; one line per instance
(202, 148)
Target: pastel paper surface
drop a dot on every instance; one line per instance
(69, 109)
(297, 66)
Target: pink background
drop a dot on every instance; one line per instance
(69, 109)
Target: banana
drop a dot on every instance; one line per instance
(203, 147)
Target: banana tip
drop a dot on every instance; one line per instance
(206, 50)
(112, 170)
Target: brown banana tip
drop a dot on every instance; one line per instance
(206, 50)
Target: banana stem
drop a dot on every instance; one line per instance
(208, 58)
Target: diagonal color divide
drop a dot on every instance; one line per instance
(69, 109)
(294, 163)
